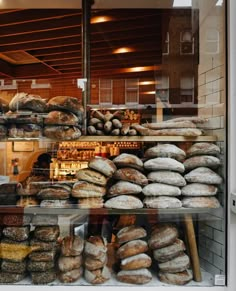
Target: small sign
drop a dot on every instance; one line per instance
(219, 280)
(26, 146)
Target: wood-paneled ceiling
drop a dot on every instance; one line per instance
(46, 43)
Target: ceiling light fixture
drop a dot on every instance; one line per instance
(123, 50)
(100, 19)
(182, 3)
(139, 69)
(149, 93)
(147, 83)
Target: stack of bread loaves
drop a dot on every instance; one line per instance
(95, 260)
(91, 187)
(14, 248)
(42, 263)
(165, 168)
(134, 262)
(70, 261)
(168, 251)
(122, 195)
(64, 119)
(202, 179)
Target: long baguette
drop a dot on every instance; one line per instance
(194, 119)
(164, 125)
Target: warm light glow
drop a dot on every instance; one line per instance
(149, 93)
(138, 69)
(123, 50)
(99, 19)
(147, 83)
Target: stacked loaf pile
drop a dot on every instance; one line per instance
(55, 195)
(71, 260)
(134, 262)
(42, 263)
(14, 248)
(123, 194)
(95, 260)
(168, 251)
(201, 165)
(64, 119)
(92, 181)
(164, 163)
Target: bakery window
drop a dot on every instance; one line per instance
(187, 89)
(105, 91)
(131, 91)
(186, 43)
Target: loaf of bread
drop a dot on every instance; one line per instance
(136, 262)
(54, 192)
(33, 266)
(43, 256)
(203, 148)
(124, 188)
(170, 164)
(43, 277)
(180, 278)
(169, 252)
(132, 248)
(13, 267)
(70, 276)
(72, 246)
(130, 233)
(92, 264)
(9, 277)
(124, 202)
(42, 245)
(102, 165)
(27, 201)
(95, 247)
(177, 264)
(98, 276)
(162, 202)
(159, 189)
(61, 132)
(65, 103)
(131, 175)
(93, 202)
(171, 125)
(141, 276)
(47, 233)
(91, 176)
(65, 203)
(201, 161)
(24, 130)
(57, 117)
(203, 175)
(167, 177)
(31, 186)
(16, 233)
(162, 236)
(66, 264)
(200, 202)
(128, 160)
(83, 189)
(198, 189)
(28, 102)
(165, 151)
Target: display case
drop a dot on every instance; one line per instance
(132, 189)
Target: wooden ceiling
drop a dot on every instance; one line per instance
(46, 43)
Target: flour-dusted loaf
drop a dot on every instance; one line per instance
(203, 175)
(169, 252)
(57, 203)
(203, 148)
(180, 278)
(124, 202)
(124, 188)
(162, 236)
(27, 101)
(47, 233)
(69, 263)
(68, 103)
(57, 117)
(140, 276)
(198, 189)
(167, 177)
(200, 202)
(54, 192)
(61, 132)
(136, 262)
(16, 233)
(84, 189)
(128, 160)
(92, 264)
(165, 125)
(201, 161)
(131, 175)
(92, 202)
(159, 189)
(98, 276)
(95, 246)
(42, 245)
(162, 202)
(130, 233)
(177, 264)
(170, 164)
(70, 276)
(132, 248)
(102, 165)
(165, 151)
(72, 246)
(91, 176)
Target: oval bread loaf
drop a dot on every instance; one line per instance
(140, 276)
(198, 189)
(124, 188)
(162, 202)
(200, 202)
(47, 233)
(84, 189)
(132, 248)
(124, 202)
(203, 148)
(162, 236)
(178, 264)
(70, 276)
(159, 189)
(98, 276)
(167, 177)
(102, 165)
(169, 252)
(128, 160)
(92, 202)
(72, 246)
(66, 264)
(201, 161)
(130, 233)
(203, 175)
(180, 278)
(131, 175)
(91, 176)
(164, 164)
(136, 262)
(92, 264)
(165, 151)
(95, 246)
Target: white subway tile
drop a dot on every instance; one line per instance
(219, 236)
(219, 262)
(214, 74)
(213, 98)
(210, 268)
(205, 254)
(218, 109)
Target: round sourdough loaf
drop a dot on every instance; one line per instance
(200, 202)
(180, 278)
(203, 175)
(167, 177)
(140, 276)
(131, 175)
(70, 276)
(98, 276)
(124, 188)
(65, 103)
(84, 189)
(159, 189)
(102, 165)
(203, 148)
(92, 264)
(66, 264)
(162, 202)
(130, 233)
(27, 101)
(92, 202)
(164, 164)
(96, 247)
(43, 277)
(165, 151)
(136, 262)
(128, 160)
(177, 264)
(162, 236)
(201, 161)
(198, 189)
(72, 246)
(61, 132)
(132, 248)
(43, 256)
(91, 176)
(47, 233)
(57, 117)
(124, 202)
(169, 252)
